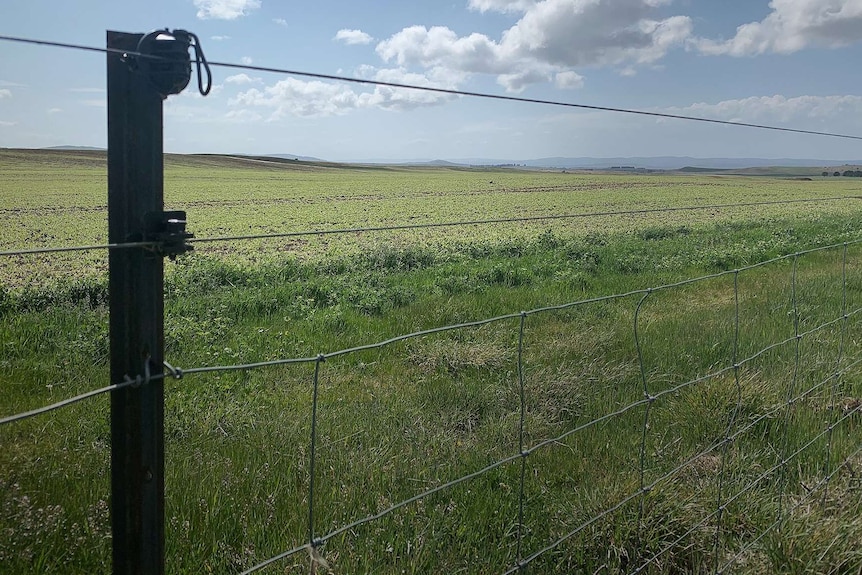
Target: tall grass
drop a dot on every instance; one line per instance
(397, 421)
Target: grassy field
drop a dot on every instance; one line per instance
(720, 355)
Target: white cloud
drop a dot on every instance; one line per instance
(352, 37)
(791, 26)
(280, 21)
(4, 93)
(776, 109)
(54, 110)
(406, 99)
(225, 9)
(300, 98)
(7, 124)
(293, 97)
(242, 79)
(552, 36)
(501, 5)
(520, 80)
(219, 38)
(246, 60)
(569, 79)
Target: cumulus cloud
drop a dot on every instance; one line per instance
(791, 26)
(551, 37)
(242, 79)
(247, 60)
(225, 9)
(280, 21)
(501, 5)
(4, 93)
(547, 43)
(352, 37)
(569, 80)
(294, 97)
(407, 99)
(300, 98)
(776, 109)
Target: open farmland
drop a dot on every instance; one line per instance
(54, 198)
(643, 414)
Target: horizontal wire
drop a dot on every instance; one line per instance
(513, 220)
(448, 91)
(424, 226)
(79, 248)
(521, 99)
(76, 399)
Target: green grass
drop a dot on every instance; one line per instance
(396, 421)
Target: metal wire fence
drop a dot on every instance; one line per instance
(651, 474)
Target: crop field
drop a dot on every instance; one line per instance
(53, 199)
(596, 408)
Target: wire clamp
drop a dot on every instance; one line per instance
(167, 230)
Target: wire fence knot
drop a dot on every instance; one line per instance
(175, 372)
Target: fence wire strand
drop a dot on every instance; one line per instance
(837, 376)
(417, 226)
(726, 441)
(436, 90)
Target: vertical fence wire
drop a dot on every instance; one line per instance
(836, 378)
(521, 385)
(642, 489)
(312, 542)
(789, 410)
(727, 440)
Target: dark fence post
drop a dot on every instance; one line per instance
(135, 188)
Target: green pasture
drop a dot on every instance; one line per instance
(746, 370)
(53, 198)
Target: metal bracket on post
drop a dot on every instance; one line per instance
(168, 231)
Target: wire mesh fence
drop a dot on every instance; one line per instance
(575, 450)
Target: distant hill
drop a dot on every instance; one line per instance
(676, 162)
(75, 148)
(286, 157)
(788, 166)
(631, 162)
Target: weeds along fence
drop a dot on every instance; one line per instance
(707, 425)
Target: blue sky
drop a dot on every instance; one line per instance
(786, 62)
